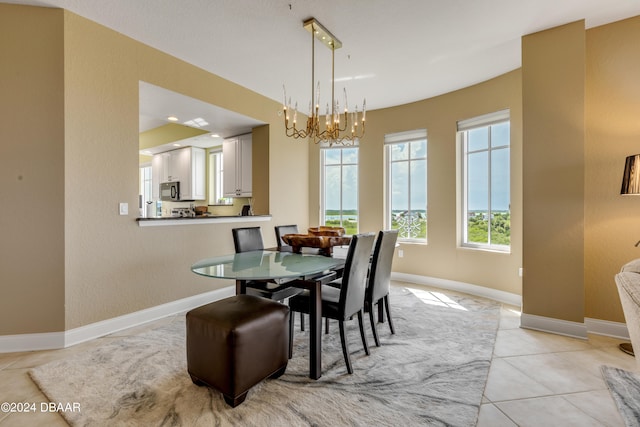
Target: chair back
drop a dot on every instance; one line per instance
(281, 230)
(380, 273)
(247, 239)
(354, 279)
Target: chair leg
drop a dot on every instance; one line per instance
(386, 305)
(373, 328)
(302, 321)
(291, 321)
(362, 334)
(380, 311)
(345, 348)
(326, 325)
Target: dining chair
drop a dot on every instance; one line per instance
(378, 284)
(247, 239)
(282, 230)
(343, 303)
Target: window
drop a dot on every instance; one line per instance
(146, 184)
(406, 183)
(485, 147)
(215, 177)
(339, 192)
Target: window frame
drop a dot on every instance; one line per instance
(216, 167)
(463, 127)
(145, 184)
(403, 138)
(323, 166)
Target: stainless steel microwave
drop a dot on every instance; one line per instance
(170, 191)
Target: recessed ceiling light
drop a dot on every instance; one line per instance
(177, 145)
(172, 118)
(215, 135)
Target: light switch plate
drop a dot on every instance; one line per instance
(124, 208)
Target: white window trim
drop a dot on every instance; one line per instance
(215, 201)
(464, 126)
(142, 180)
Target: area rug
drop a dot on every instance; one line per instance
(624, 387)
(432, 372)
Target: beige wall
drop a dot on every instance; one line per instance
(553, 174)
(612, 221)
(441, 257)
(32, 226)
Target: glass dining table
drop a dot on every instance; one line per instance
(294, 269)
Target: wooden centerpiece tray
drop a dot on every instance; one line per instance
(322, 238)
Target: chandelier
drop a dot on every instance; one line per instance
(339, 127)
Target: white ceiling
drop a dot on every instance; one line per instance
(157, 104)
(394, 52)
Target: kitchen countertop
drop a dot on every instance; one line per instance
(204, 219)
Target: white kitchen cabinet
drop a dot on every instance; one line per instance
(237, 164)
(185, 165)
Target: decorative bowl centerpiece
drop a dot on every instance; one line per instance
(324, 230)
(322, 238)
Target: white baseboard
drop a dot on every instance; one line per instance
(555, 326)
(56, 340)
(481, 291)
(30, 342)
(540, 323)
(607, 328)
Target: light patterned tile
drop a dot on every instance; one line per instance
(36, 419)
(592, 360)
(509, 317)
(38, 358)
(491, 416)
(546, 411)
(603, 341)
(17, 386)
(557, 373)
(505, 382)
(599, 405)
(520, 342)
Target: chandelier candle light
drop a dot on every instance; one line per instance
(340, 128)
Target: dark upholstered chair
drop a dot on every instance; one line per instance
(248, 239)
(379, 279)
(282, 230)
(235, 343)
(344, 302)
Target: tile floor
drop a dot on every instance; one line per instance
(535, 379)
(541, 379)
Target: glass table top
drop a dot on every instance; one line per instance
(265, 265)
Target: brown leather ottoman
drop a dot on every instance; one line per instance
(236, 342)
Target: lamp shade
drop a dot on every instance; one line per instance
(631, 177)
